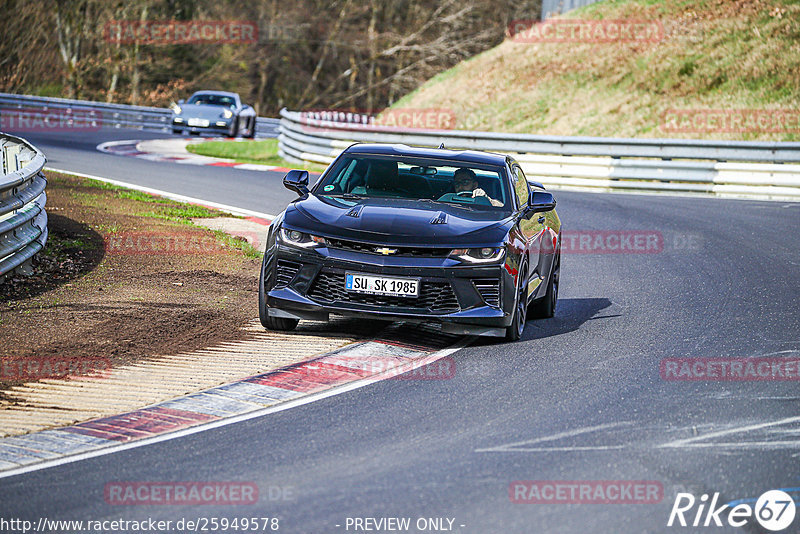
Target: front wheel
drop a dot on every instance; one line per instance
(234, 131)
(282, 324)
(251, 132)
(517, 326)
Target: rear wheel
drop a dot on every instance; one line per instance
(545, 307)
(271, 323)
(517, 326)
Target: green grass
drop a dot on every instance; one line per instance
(166, 209)
(262, 152)
(239, 244)
(49, 89)
(77, 243)
(713, 55)
(182, 213)
(108, 228)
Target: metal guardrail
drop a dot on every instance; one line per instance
(23, 220)
(761, 170)
(23, 111)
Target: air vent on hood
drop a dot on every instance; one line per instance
(441, 218)
(355, 211)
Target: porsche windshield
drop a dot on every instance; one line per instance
(427, 180)
(212, 100)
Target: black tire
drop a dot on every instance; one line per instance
(282, 324)
(517, 326)
(251, 133)
(545, 307)
(177, 132)
(234, 131)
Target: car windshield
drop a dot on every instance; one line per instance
(212, 100)
(467, 185)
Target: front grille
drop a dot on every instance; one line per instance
(285, 272)
(434, 297)
(489, 288)
(369, 248)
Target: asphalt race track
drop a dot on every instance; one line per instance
(580, 398)
(254, 190)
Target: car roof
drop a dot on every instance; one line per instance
(465, 156)
(221, 93)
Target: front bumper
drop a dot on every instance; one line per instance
(215, 126)
(309, 284)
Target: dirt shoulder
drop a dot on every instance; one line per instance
(125, 276)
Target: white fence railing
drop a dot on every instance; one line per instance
(760, 170)
(23, 220)
(24, 112)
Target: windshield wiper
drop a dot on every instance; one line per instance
(347, 196)
(450, 202)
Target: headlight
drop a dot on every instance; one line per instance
(479, 255)
(227, 114)
(177, 110)
(299, 239)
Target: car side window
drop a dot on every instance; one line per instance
(520, 186)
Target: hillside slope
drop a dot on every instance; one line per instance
(722, 55)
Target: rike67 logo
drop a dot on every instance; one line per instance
(774, 511)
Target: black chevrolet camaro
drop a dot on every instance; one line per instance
(414, 234)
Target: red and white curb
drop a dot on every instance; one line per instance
(401, 352)
(174, 150)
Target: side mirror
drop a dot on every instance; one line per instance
(180, 102)
(296, 181)
(541, 201)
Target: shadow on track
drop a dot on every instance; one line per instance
(570, 315)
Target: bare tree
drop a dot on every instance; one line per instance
(72, 23)
(359, 54)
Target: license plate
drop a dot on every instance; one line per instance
(381, 285)
(198, 122)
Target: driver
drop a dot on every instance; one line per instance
(464, 180)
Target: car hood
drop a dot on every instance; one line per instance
(202, 112)
(397, 222)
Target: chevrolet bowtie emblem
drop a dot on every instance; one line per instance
(385, 251)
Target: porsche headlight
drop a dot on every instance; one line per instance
(478, 255)
(177, 109)
(227, 114)
(299, 239)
